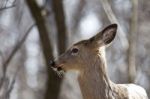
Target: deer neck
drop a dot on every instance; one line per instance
(94, 82)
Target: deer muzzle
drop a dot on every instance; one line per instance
(55, 65)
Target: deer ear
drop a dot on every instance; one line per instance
(106, 36)
(109, 33)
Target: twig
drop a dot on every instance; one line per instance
(112, 18)
(77, 17)
(6, 1)
(16, 48)
(11, 86)
(6, 8)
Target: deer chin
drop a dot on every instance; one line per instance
(75, 71)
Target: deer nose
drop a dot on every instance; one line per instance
(52, 63)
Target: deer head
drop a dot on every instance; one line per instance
(86, 51)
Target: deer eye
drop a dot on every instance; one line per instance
(74, 51)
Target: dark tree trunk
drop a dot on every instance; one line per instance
(60, 24)
(53, 83)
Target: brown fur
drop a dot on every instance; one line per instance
(90, 62)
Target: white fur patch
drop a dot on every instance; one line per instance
(102, 53)
(70, 88)
(136, 92)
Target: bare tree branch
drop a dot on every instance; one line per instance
(12, 83)
(132, 42)
(16, 48)
(112, 18)
(7, 7)
(6, 1)
(9, 90)
(77, 16)
(53, 83)
(9, 85)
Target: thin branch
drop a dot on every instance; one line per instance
(112, 18)
(11, 86)
(9, 90)
(14, 1)
(6, 1)
(132, 42)
(77, 16)
(7, 7)
(14, 51)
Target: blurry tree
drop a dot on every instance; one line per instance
(5, 80)
(58, 11)
(113, 19)
(132, 42)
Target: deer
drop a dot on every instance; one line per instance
(87, 59)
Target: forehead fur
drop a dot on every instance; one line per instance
(81, 42)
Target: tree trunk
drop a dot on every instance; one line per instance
(53, 82)
(60, 24)
(132, 42)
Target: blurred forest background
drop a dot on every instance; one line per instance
(32, 32)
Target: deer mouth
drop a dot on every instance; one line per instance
(58, 69)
